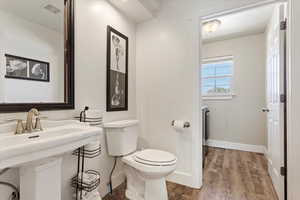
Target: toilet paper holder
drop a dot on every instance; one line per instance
(186, 124)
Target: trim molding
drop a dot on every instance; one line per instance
(237, 146)
(182, 178)
(239, 9)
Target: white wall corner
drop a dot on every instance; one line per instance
(237, 146)
(118, 179)
(152, 5)
(137, 10)
(266, 152)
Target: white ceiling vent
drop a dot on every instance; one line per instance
(52, 9)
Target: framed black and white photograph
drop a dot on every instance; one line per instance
(27, 69)
(39, 71)
(16, 67)
(117, 71)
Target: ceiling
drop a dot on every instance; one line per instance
(138, 10)
(248, 22)
(33, 11)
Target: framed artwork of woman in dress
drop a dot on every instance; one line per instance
(117, 71)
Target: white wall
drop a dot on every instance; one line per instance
(92, 17)
(167, 81)
(166, 91)
(30, 40)
(240, 119)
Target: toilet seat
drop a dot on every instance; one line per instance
(154, 157)
(146, 171)
(160, 166)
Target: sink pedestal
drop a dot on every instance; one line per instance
(38, 155)
(41, 181)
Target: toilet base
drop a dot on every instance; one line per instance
(156, 189)
(135, 187)
(139, 188)
(132, 195)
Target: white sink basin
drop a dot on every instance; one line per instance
(16, 150)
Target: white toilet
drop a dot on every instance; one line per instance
(145, 170)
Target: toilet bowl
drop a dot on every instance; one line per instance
(145, 170)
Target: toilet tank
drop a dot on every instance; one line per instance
(121, 137)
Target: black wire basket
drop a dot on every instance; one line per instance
(88, 153)
(88, 187)
(83, 153)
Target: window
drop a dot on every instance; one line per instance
(217, 77)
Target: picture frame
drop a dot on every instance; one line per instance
(117, 71)
(26, 68)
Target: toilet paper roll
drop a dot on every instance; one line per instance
(179, 125)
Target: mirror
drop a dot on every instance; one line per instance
(36, 55)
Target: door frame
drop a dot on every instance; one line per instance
(293, 98)
(287, 70)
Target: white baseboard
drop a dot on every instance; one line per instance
(181, 178)
(265, 151)
(237, 146)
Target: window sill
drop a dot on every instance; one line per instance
(218, 97)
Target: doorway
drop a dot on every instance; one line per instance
(244, 85)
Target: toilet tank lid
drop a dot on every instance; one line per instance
(120, 124)
(155, 156)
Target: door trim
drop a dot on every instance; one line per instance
(285, 110)
(240, 9)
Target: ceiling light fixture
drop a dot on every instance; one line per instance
(211, 26)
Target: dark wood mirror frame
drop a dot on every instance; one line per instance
(69, 102)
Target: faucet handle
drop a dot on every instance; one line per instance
(34, 111)
(20, 127)
(38, 125)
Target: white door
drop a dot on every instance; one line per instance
(275, 87)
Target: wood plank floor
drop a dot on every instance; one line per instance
(228, 175)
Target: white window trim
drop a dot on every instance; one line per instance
(219, 96)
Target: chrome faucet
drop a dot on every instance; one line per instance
(30, 125)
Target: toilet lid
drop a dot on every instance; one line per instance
(155, 157)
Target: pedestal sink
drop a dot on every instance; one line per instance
(38, 154)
